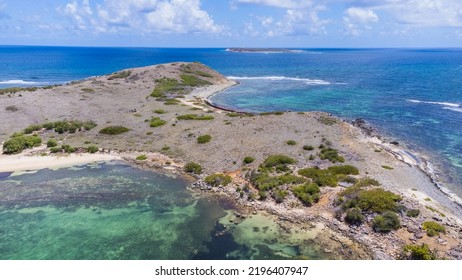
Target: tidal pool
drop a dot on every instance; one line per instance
(115, 211)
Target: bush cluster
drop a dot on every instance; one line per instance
(195, 117)
(307, 193)
(387, 222)
(291, 142)
(164, 86)
(114, 130)
(156, 122)
(120, 75)
(278, 162)
(193, 81)
(52, 143)
(248, 160)
(331, 155)
(92, 149)
(141, 157)
(204, 139)
(417, 252)
(433, 228)
(192, 167)
(264, 181)
(69, 126)
(21, 142)
(216, 180)
(329, 176)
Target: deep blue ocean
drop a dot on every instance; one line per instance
(411, 95)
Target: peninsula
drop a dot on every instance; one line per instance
(366, 197)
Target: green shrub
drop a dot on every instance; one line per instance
(204, 139)
(413, 213)
(433, 228)
(417, 252)
(276, 113)
(52, 143)
(114, 130)
(263, 181)
(308, 148)
(277, 160)
(366, 182)
(216, 180)
(331, 155)
(19, 143)
(92, 149)
(291, 142)
(343, 170)
(307, 193)
(262, 195)
(11, 108)
(279, 195)
(166, 85)
(171, 101)
(326, 120)
(248, 160)
(387, 167)
(68, 149)
(354, 216)
(89, 125)
(378, 200)
(55, 150)
(322, 177)
(160, 111)
(192, 167)
(120, 75)
(387, 222)
(195, 117)
(48, 125)
(141, 157)
(32, 128)
(193, 81)
(156, 122)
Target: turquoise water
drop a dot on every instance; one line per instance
(114, 211)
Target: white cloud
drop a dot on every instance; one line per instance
(361, 15)
(78, 13)
(356, 19)
(437, 13)
(287, 4)
(143, 16)
(181, 16)
(427, 12)
(300, 18)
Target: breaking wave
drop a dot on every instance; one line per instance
(17, 82)
(447, 104)
(283, 78)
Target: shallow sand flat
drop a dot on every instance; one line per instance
(36, 162)
(126, 102)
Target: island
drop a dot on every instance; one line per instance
(262, 50)
(359, 195)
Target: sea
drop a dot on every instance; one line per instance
(412, 96)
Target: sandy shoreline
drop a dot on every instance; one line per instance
(29, 162)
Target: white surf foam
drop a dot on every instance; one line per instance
(283, 78)
(17, 82)
(453, 109)
(447, 104)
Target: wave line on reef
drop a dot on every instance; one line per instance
(283, 78)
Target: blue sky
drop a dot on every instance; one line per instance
(228, 23)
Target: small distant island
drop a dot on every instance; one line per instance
(262, 50)
(358, 195)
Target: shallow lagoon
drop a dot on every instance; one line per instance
(115, 211)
